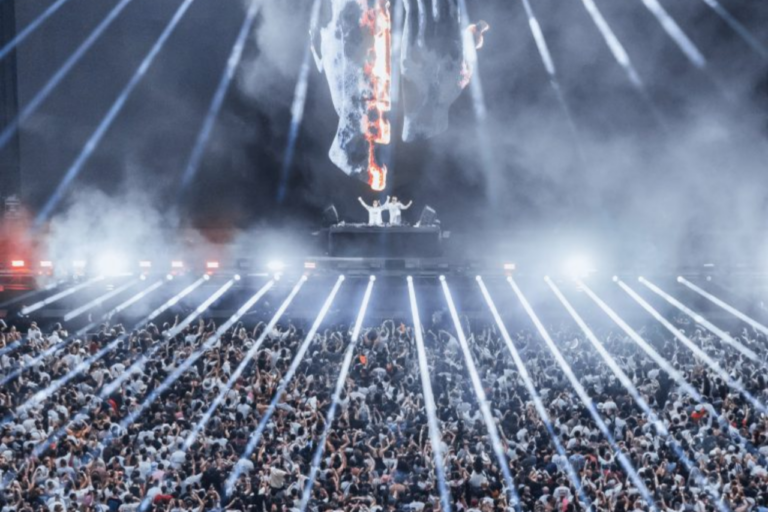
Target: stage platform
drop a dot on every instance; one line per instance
(362, 240)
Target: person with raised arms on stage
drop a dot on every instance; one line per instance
(395, 208)
(374, 211)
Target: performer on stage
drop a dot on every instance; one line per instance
(374, 211)
(395, 207)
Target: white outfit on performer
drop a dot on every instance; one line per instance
(374, 213)
(395, 209)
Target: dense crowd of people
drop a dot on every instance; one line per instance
(72, 450)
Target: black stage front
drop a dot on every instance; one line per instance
(361, 240)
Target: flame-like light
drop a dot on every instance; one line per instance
(475, 31)
(378, 69)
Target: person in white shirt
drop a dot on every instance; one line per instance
(374, 211)
(395, 208)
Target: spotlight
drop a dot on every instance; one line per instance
(546, 278)
(442, 278)
(615, 279)
(579, 266)
(478, 278)
(303, 278)
(177, 264)
(18, 263)
(46, 264)
(237, 277)
(641, 279)
(310, 265)
(341, 277)
(409, 279)
(207, 277)
(145, 264)
(509, 267)
(373, 278)
(169, 277)
(276, 265)
(679, 279)
(211, 265)
(111, 264)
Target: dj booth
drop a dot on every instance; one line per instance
(361, 240)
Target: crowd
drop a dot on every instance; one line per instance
(72, 451)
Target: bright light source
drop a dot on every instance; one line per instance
(277, 265)
(409, 279)
(17, 263)
(143, 277)
(145, 264)
(277, 277)
(211, 264)
(373, 278)
(641, 279)
(341, 277)
(442, 278)
(615, 279)
(579, 266)
(237, 277)
(510, 266)
(478, 278)
(78, 264)
(207, 277)
(177, 264)
(46, 264)
(309, 265)
(169, 277)
(679, 279)
(111, 264)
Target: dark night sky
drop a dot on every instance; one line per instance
(704, 167)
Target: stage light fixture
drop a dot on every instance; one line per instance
(615, 279)
(237, 277)
(409, 279)
(275, 265)
(428, 217)
(207, 277)
(310, 265)
(145, 264)
(442, 278)
(478, 278)
(373, 278)
(212, 265)
(679, 279)
(46, 264)
(510, 267)
(18, 263)
(169, 277)
(177, 264)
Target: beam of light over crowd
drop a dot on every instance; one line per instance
(29, 295)
(221, 93)
(617, 49)
(57, 297)
(29, 29)
(626, 381)
(435, 437)
(331, 415)
(699, 319)
(180, 369)
(531, 388)
(114, 111)
(586, 400)
(482, 400)
(677, 34)
(108, 389)
(735, 312)
(655, 356)
(297, 107)
(52, 388)
(278, 394)
(200, 425)
(133, 300)
(737, 27)
(549, 66)
(144, 505)
(98, 301)
(685, 340)
(31, 107)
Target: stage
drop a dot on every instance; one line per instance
(362, 240)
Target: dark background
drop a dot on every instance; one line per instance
(702, 170)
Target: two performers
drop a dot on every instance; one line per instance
(392, 205)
